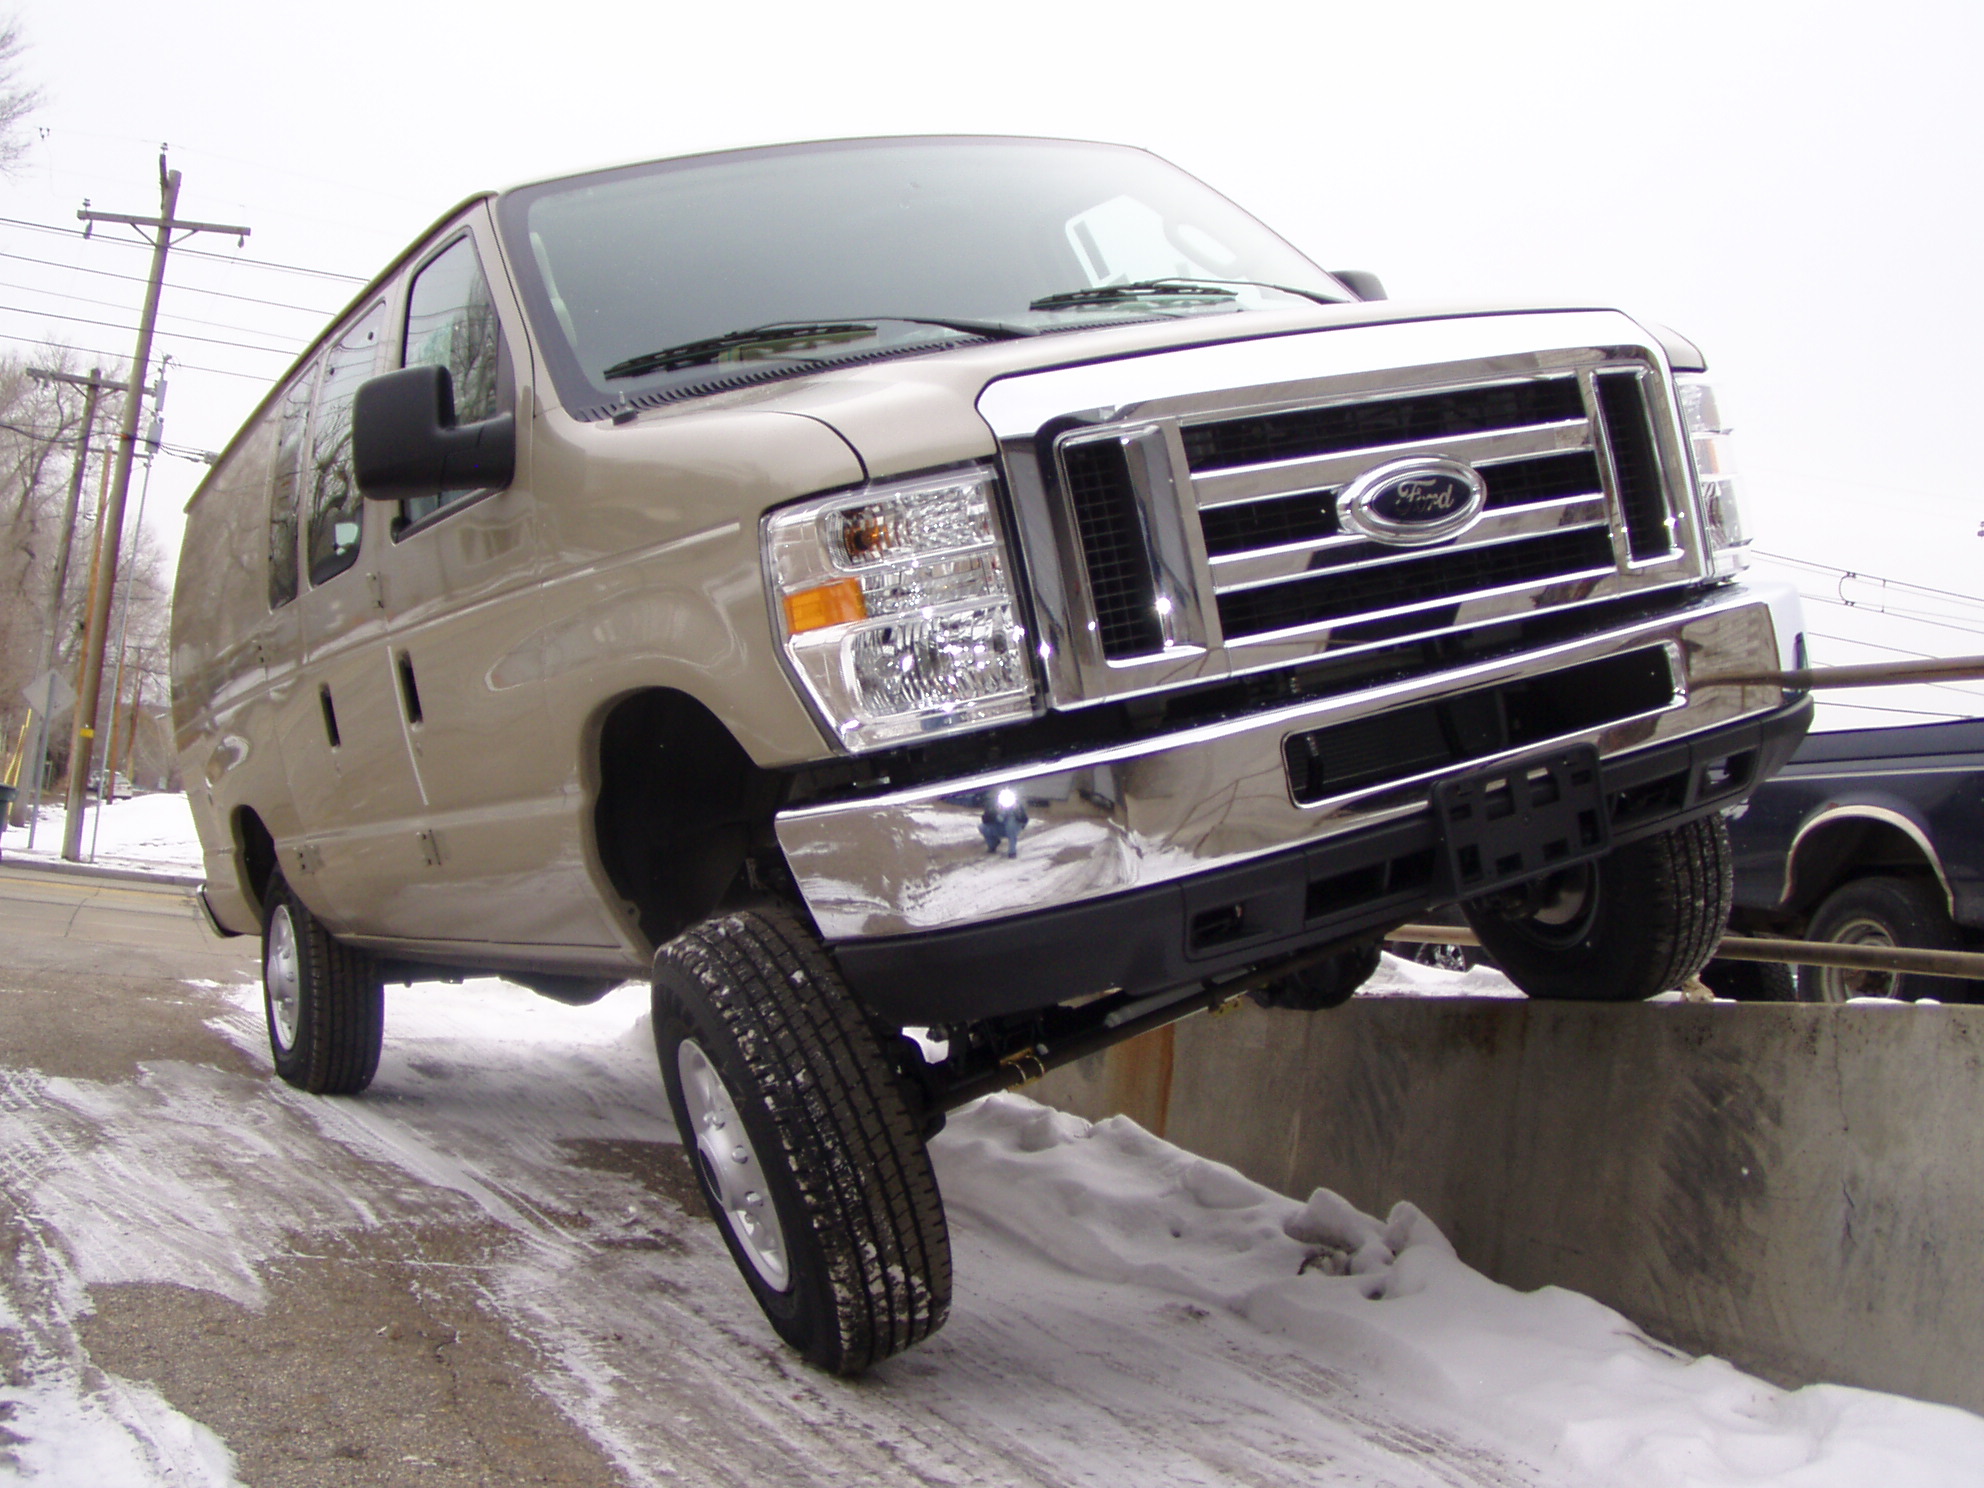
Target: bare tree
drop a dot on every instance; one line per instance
(40, 441)
(17, 99)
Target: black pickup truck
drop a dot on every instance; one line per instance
(1867, 837)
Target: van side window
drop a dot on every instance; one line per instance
(292, 420)
(336, 508)
(451, 321)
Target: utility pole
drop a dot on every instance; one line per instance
(92, 386)
(154, 437)
(96, 632)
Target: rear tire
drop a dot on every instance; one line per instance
(1883, 911)
(325, 1001)
(1641, 920)
(1751, 981)
(832, 1211)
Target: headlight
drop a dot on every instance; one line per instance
(1715, 472)
(895, 603)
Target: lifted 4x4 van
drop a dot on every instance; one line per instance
(990, 587)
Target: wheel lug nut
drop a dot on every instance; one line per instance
(740, 1154)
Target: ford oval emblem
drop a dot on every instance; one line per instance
(1410, 502)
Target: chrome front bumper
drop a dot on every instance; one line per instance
(949, 854)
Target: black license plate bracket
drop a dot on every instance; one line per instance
(1519, 820)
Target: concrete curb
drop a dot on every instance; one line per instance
(65, 869)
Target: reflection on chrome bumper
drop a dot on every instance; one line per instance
(1020, 840)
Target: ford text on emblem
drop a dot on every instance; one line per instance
(1410, 502)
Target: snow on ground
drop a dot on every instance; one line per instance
(1125, 1310)
(149, 832)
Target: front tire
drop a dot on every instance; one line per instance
(805, 1149)
(1641, 920)
(1882, 911)
(325, 1001)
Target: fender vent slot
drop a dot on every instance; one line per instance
(409, 689)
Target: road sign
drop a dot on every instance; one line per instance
(50, 694)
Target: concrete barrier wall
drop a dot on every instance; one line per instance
(1797, 1189)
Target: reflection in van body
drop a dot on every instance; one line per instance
(911, 583)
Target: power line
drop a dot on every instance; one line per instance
(1873, 609)
(1866, 578)
(113, 357)
(118, 326)
(219, 325)
(42, 434)
(1877, 708)
(226, 258)
(220, 294)
(1820, 635)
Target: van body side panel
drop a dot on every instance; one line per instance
(220, 678)
(655, 580)
(656, 576)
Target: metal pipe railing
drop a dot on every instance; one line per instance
(1873, 674)
(1964, 964)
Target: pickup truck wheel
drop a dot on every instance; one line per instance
(1882, 911)
(1637, 922)
(1751, 981)
(816, 1174)
(325, 1001)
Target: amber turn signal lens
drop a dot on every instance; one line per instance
(829, 604)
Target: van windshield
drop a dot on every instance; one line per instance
(684, 276)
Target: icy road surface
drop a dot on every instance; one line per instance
(1126, 1313)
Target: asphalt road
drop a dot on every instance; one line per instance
(370, 1358)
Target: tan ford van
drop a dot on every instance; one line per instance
(993, 588)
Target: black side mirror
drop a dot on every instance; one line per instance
(405, 442)
(1362, 283)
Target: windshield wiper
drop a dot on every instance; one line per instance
(1147, 289)
(711, 348)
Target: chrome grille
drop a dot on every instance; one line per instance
(1179, 514)
(1303, 432)
(1281, 563)
(1575, 494)
(1353, 587)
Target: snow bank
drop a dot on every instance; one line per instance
(1565, 1380)
(150, 832)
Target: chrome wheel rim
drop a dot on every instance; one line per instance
(731, 1170)
(282, 980)
(1837, 983)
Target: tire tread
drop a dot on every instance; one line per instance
(856, 1155)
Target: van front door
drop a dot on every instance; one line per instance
(459, 581)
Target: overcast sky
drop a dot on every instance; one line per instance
(1793, 186)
